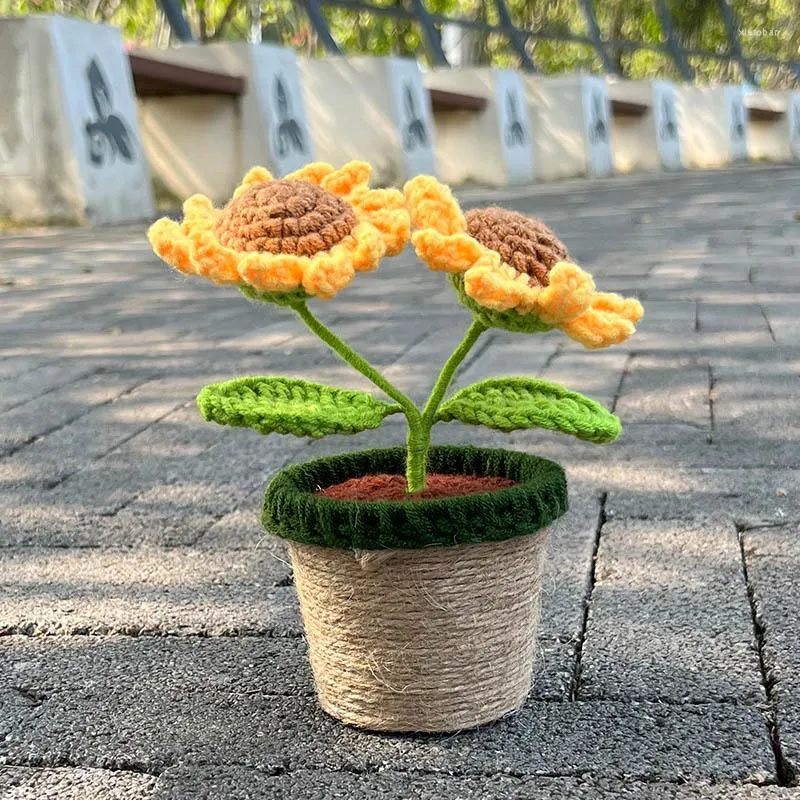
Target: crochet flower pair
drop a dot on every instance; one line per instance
(308, 234)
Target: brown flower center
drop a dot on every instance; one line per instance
(285, 216)
(527, 245)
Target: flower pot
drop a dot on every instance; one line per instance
(420, 615)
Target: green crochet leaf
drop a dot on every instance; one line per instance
(285, 405)
(510, 404)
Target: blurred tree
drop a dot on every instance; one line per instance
(767, 28)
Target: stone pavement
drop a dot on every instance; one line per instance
(151, 647)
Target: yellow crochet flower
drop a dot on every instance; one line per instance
(511, 271)
(303, 235)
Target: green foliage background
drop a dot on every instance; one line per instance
(767, 28)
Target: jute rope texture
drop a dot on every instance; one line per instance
(429, 640)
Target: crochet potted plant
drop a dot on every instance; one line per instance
(417, 567)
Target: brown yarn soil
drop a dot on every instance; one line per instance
(393, 487)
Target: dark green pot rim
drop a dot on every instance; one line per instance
(294, 510)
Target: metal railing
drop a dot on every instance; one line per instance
(519, 39)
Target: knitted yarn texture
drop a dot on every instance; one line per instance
(429, 640)
(526, 244)
(420, 612)
(510, 404)
(291, 217)
(293, 508)
(285, 405)
(513, 272)
(306, 235)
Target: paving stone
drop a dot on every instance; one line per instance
(248, 783)
(677, 445)
(15, 391)
(739, 269)
(755, 407)
(665, 391)
(46, 413)
(13, 366)
(747, 496)
(238, 529)
(415, 371)
(64, 783)
(248, 701)
(49, 460)
(669, 616)
(716, 317)
(150, 524)
(594, 374)
(664, 319)
(783, 321)
(146, 591)
(506, 354)
(773, 565)
(565, 582)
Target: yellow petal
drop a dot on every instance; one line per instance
(432, 205)
(369, 247)
(254, 175)
(198, 206)
(328, 274)
(595, 329)
(214, 261)
(628, 307)
(199, 214)
(272, 273)
(343, 181)
(495, 285)
(568, 294)
(171, 245)
(311, 173)
(386, 210)
(457, 252)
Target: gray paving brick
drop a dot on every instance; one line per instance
(50, 459)
(755, 408)
(669, 616)
(146, 591)
(665, 391)
(238, 783)
(211, 706)
(507, 354)
(64, 783)
(782, 319)
(151, 522)
(596, 375)
(730, 269)
(668, 320)
(57, 408)
(13, 366)
(20, 389)
(749, 496)
(773, 564)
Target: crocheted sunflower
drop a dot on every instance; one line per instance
(512, 272)
(284, 240)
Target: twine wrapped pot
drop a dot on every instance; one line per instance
(420, 615)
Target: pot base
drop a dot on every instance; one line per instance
(426, 640)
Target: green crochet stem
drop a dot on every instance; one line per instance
(418, 441)
(351, 357)
(449, 371)
(419, 445)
